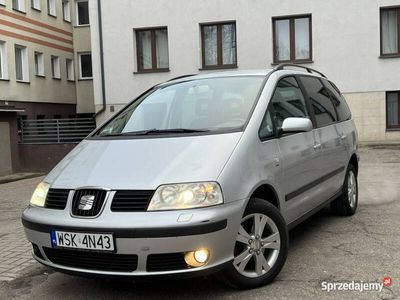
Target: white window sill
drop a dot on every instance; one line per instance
(23, 81)
(82, 25)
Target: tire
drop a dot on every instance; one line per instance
(346, 204)
(261, 256)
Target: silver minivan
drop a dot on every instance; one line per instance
(200, 174)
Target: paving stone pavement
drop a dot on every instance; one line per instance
(15, 250)
(15, 254)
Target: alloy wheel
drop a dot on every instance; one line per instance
(257, 245)
(352, 189)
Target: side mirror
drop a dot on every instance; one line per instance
(296, 125)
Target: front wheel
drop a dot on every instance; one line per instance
(261, 246)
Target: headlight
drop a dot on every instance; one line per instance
(39, 195)
(186, 195)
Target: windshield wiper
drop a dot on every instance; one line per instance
(156, 131)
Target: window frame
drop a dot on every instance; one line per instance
(292, 38)
(270, 108)
(3, 61)
(34, 7)
(24, 63)
(341, 99)
(55, 69)
(69, 64)
(220, 64)
(154, 68)
(49, 6)
(381, 9)
(312, 114)
(80, 65)
(77, 14)
(40, 64)
(21, 6)
(271, 111)
(392, 127)
(64, 11)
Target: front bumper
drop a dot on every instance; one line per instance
(145, 234)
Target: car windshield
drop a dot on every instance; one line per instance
(199, 105)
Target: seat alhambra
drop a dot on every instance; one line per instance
(202, 173)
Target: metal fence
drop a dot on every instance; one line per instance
(55, 131)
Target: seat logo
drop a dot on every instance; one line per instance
(86, 202)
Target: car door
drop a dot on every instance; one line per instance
(330, 146)
(299, 159)
(345, 126)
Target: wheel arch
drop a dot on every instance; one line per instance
(354, 161)
(267, 192)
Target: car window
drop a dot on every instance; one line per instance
(338, 100)
(288, 101)
(321, 103)
(267, 128)
(210, 104)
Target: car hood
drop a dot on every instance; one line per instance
(143, 163)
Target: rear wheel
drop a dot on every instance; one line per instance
(346, 204)
(261, 246)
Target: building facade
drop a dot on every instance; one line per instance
(45, 66)
(137, 44)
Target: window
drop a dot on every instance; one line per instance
(288, 101)
(66, 10)
(55, 67)
(18, 5)
(267, 127)
(70, 69)
(85, 65)
(51, 7)
(21, 64)
(39, 64)
(82, 12)
(35, 4)
(390, 31)
(393, 109)
(152, 49)
(3, 61)
(338, 101)
(192, 105)
(2, 2)
(218, 45)
(292, 39)
(321, 103)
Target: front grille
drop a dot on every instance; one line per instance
(166, 262)
(125, 200)
(92, 260)
(57, 198)
(94, 209)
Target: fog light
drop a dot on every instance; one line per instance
(197, 258)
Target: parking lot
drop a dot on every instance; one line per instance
(325, 248)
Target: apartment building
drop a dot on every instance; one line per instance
(137, 44)
(45, 67)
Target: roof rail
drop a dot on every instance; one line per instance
(309, 70)
(182, 76)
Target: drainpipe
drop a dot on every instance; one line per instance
(103, 85)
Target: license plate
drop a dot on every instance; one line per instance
(80, 240)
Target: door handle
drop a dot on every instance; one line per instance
(317, 146)
(343, 137)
